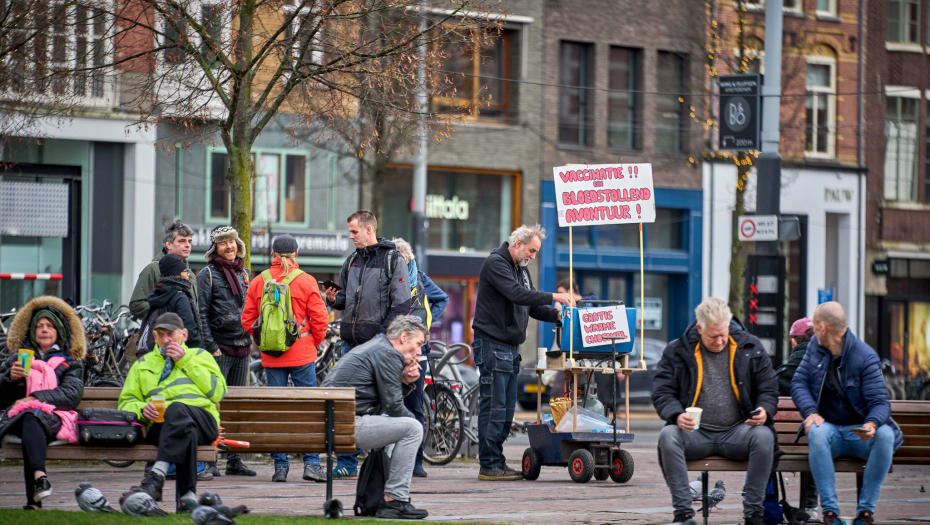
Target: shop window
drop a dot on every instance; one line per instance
(623, 99)
(481, 77)
(665, 232)
(821, 106)
(901, 136)
(272, 202)
(670, 109)
(581, 236)
(655, 314)
(904, 21)
(618, 235)
(575, 96)
(219, 186)
(294, 184)
(918, 349)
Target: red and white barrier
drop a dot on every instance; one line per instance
(31, 276)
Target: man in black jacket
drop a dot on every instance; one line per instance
(720, 368)
(221, 289)
(379, 371)
(506, 300)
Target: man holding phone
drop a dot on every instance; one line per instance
(839, 390)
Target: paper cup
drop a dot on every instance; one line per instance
(695, 414)
(541, 357)
(25, 357)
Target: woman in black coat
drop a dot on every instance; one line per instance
(175, 293)
(49, 327)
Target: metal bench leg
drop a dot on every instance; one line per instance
(330, 445)
(705, 477)
(858, 486)
(802, 503)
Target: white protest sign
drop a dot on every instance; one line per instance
(604, 194)
(600, 325)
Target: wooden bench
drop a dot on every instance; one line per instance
(912, 416)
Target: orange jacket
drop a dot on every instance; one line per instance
(306, 303)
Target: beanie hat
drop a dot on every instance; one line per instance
(284, 244)
(800, 327)
(222, 234)
(171, 265)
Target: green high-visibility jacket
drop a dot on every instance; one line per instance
(196, 380)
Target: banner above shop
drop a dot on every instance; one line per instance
(312, 242)
(588, 195)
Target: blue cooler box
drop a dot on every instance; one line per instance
(599, 350)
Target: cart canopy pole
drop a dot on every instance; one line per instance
(642, 298)
(571, 317)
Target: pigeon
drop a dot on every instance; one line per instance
(715, 495)
(210, 499)
(205, 514)
(697, 489)
(139, 503)
(91, 499)
(232, 512)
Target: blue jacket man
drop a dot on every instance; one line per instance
(839, 390)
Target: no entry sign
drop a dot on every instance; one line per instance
(604, 194)
(758, 227)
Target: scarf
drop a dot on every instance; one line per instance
(169, 365)
(412, 273)
(230, 269)
(188, 288)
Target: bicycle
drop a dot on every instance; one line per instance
(450, 407)
(105, 363)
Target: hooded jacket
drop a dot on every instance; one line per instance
(309, 311)
(69, 374)
(375, 369)
(786, 371)
(369, 299)
(677, 382)
(507, 299)
(221, 310)
(148, 278)
(860, 376)
(175, 299)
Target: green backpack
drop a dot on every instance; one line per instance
(275, 330)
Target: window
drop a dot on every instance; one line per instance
(623, 101)
(665, 232)
(219, 186)
(294, 188)
(479, 76)
(670, 106)
(820, 107)
(618, 235)
(789, 5)
(904, 21)
(826, 7)
(175, 27)
(575, 97)
(901, 115)
(272, 202)
(211, 17)
(306, 37)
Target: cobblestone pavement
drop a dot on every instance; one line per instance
(453, 493)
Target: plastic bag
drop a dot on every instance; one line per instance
(588, 421)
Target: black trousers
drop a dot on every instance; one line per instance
(35, 442)
(185, 428)
(414, 403)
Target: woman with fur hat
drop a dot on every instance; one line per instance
(174, 293)
(38, 414)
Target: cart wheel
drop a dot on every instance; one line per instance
(622, 469)
(581, 466)
(531, 464)
(601, 474)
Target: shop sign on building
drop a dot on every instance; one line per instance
(740, 116)
(439, 207)
(588, 195)
(308, 242)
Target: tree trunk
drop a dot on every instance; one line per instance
(240, 188)
(738, 248)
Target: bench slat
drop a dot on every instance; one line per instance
(84, 453)
(236, 393)
(236, 405)
(261, 427)
(274, 417)
(291, 439)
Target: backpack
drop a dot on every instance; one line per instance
(772, 510)
(419, 303)
(146, 341)
(371, 480)
(275, 331)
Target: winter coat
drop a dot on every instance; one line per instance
(860, 377)
(507, 299)
(220, 310)
(375, 369)
(195, 380)
(786, 371)
(369, 299)
(175, 298)
(309, 312)
(69, 375)
(148, 278)
(679, 375)
(438, 299)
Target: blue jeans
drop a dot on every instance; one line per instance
(829, 441)
(414, 403)
(498, 366)
(302, 376)
(349, 461)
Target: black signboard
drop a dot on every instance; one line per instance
(740, 112)
(882, 267)
(765, 298)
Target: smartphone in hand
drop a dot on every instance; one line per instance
(862, 430)
(330, 284)
(755, 412)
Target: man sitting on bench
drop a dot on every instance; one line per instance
(840, 392)
(720, 368)
(378, 370)
(192, 384)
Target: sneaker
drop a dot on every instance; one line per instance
(314, 473)
(204, 476)
(211, 468)
(864, 518)
(683, 518)
(756, 518)
(345, 472)
(499, 474)
(813, 515)
(830, 517)
(418, 471)
(280, 474)
(235, 467)
(152, 484)
(399, 510)
(44, 489)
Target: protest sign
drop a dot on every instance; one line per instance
(600, 325)
(588, 195)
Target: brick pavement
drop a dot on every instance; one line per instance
(453, 493)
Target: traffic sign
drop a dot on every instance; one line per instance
(740, 112)
(758, 227)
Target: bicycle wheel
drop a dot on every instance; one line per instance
(447, 430)
(118, 464)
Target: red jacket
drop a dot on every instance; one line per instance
(305, 303)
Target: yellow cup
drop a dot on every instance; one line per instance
(25, 357)
(159, 403)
